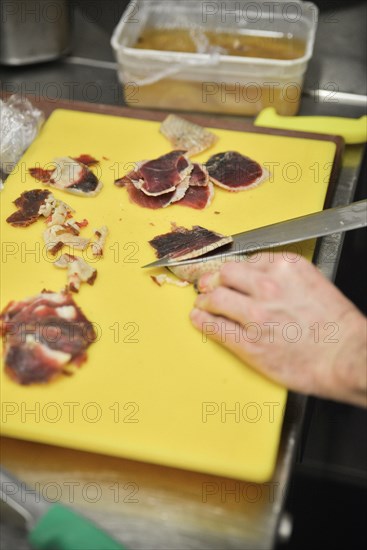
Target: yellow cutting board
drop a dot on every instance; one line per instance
(152, 389)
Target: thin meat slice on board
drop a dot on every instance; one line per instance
(187, 135)
(70, 175)
(43, 336)
(183, 244)
(87, 160)
(235, 172)
(200, 193)
(28, 204)
(199, 176)
(147, 201)
(162, 175)
(133, 176)
(198, 196)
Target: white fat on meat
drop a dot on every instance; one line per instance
(58, 211)
(180, 191)
(59, 357)
(59, 234)
(66, 312)
(99, 244)
(48, 207)
(79, 271)
(162, 278)
(67, 172)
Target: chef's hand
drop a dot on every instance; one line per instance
(288, 322)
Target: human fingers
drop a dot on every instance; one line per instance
(219, 329)
(227, 303)
(246, 278)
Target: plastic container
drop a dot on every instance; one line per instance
(208, 78)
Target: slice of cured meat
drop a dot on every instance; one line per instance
(235, 172)
(43, 335)
(87, 160)
(200, 193)
(192, 272)
(146, 201)
(69, 175)
(133, 182)
(182, 243)
(193, 190)
(162, 175)
(198, 196)
(28, 204)
(40, 174)
(154, 202)
(199, 176)
(187, 135)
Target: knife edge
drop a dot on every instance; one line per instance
(302, 228)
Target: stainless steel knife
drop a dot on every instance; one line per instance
(332, 220)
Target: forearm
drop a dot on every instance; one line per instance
(350, 368)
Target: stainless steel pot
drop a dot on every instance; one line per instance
(32, 31)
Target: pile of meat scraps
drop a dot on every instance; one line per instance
(61, 230)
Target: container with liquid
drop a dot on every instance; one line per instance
(227, 57)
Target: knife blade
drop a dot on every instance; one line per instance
(319, 224)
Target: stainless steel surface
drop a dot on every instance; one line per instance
(357, 100)
(319, 224)
(20, 498)
(330, 247)
(171, 513)
(33, 31)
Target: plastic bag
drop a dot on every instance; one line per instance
(20, 123)
(147, 73)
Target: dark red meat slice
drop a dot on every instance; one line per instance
(182, 243)
(198, 196)
(28, 205)
(18, 219)
(148, 201)
(133, 176)
(88, 182)
(87, 160)
(72, 175)
(121, 182)
(199, 176)
(29, 202)
(233, 171)
(40, 174)
(163, 174)
(42, 335)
